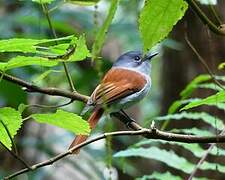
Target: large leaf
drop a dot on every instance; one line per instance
(209, 119)
(210, 100)
(196, 149)
(158, 18)
(21, 61)
(169, 158)
(65, 120)
(12, 119)
(25, 45)
(159, 154)
(100, 37)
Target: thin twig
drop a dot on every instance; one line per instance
(148, 133)
(202, 60)
(47, 106)
(29, 87)
(204, 18)
(203, 158)
(16, 156)
(218, 20)
(70, 81)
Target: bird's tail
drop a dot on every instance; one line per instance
(93, 120)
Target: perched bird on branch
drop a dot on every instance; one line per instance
(126, 83)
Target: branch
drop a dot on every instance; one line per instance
(204, 18)
(202, 60)
(152, 133)
(16, 156)
(29, 87)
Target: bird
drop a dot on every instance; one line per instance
(126, 83)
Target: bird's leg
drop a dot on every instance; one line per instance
(129, 119)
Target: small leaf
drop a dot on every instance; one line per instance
(44, 75)
(100, 37)
(176, 104)
(43, 1)
(212, 86)
(193, 84)
(25, 45)
(210, 100)
(65, 120)
(158, 18)
(21, 61)
(221, 66)
(22, 107)
(12, 120)
(207, 118)
(84, 2)
(160, 176)
(81, 51)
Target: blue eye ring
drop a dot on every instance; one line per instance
(137, 58)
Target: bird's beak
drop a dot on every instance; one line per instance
(149, 56)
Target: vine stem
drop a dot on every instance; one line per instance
(204, 18)
(68, 76)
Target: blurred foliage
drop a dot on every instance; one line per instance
(106, 28)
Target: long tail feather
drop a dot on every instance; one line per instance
(93, 120)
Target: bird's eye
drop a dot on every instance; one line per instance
(137, 58)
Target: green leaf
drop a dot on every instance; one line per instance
(160, 176)
(43, 1)
(81, 51)
(169, 158)
(44, 75)
(65, 120)
(26, 45)
(84, 2)
(22, 107)
(159, 155)
(100, 37)
(158, 18)
(193, 84)
(166, 175)
(195, 131)
(221, 66)
(21, 61)
(207, 118)
(195, 149)
(12, 120)
(212, 86)
(210, 100)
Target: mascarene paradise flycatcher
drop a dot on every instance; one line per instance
(126, 83)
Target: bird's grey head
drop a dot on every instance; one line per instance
(135, 60)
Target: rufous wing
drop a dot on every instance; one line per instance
(116, 84)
